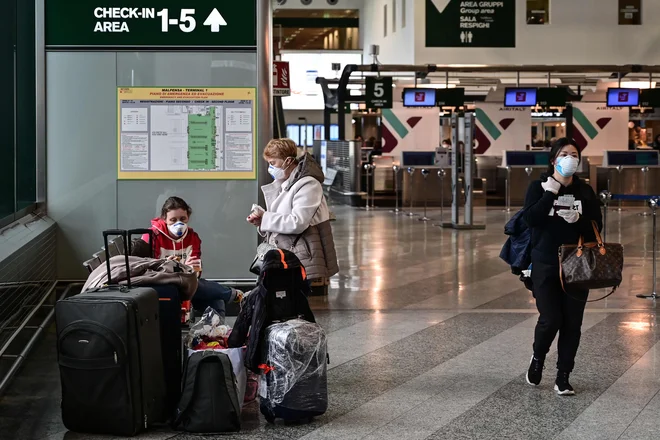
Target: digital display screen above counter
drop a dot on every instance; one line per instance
(419, 97)
(520, 97)
(649, 98)
(552, 96)
(450, 97)
(622, 97)
(631, 158)
(526, 158)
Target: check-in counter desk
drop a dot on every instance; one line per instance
(487, 168)
(518, 170)
(383, 176)
(435, 187)
(629, 172)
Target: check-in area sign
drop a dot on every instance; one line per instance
(470, 23)
(151, 23)
(379, 92)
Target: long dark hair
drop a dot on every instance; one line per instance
(556, 148)
(175, 203)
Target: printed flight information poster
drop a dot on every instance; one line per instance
(186, 133)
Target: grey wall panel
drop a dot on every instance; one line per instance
(220, 207)
(81, 153)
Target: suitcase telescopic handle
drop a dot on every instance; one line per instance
(140, 232)
(118, 233)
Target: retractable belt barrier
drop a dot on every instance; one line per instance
(397, 190)
(653, 202)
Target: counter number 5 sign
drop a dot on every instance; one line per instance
(379, 92)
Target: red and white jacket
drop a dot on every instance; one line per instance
(188, 245)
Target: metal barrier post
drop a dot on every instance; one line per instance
(619, 185)
(397, 191)
(507, 190)
(605, 197)
(441, 174)
(367, 174)
(425, 174)
(645, 171)
(411, 172)
(373, 186)
(653, 204)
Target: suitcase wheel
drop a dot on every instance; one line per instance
(270, 419)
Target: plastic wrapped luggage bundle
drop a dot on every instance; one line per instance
(294, 385)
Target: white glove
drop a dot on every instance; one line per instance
(570, 215)
(551, 185)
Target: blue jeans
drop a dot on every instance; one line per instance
(214, 295)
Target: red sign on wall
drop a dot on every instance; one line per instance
(281, 78)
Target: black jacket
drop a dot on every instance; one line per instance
(549, 231)
(259, 310)
(516, 250)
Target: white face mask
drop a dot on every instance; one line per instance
(567, 166)
(178, 229)
(278, 173)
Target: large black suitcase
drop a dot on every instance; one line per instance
(109, 353)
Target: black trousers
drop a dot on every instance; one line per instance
(559, 313)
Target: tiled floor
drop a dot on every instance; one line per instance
(430, 336)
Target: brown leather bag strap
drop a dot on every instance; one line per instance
(599, 239)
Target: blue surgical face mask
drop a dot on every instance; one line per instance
(178, 229)
(567, 166)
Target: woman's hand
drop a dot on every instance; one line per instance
(254, 220)
(193, 262)
(570, 215)
(551, 185)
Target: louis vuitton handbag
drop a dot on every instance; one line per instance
(588, 266)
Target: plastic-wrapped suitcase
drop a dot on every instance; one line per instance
(294, 386)
(109, 354)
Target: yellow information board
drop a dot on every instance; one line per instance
(186, 133)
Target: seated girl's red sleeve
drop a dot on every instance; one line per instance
(196, 246)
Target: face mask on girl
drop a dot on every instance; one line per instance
(178, 229)
(278, 173)
(567, 166)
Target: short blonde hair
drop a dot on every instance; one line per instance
(281, 149)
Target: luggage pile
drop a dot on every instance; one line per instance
(286, 347)
(120, 354)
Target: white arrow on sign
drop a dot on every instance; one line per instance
(215, 20)
(440, 5)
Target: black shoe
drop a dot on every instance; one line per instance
(535, 371)
(562, 387)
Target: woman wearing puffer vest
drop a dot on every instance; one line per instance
(297, 217)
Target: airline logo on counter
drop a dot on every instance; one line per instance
(483, 143)
(390, 141)
(584, 128)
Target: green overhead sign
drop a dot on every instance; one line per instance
(470, 23)
(151, 23)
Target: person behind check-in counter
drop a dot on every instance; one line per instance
(559, 208)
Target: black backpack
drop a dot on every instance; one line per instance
(209, 401)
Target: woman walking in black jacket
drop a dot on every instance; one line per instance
(559, 208)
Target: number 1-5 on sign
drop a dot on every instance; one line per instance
(187, 22)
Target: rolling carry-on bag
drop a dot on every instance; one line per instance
(110, 359)
(170, 332)
(294, 385)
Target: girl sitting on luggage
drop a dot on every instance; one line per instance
(175, 240)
